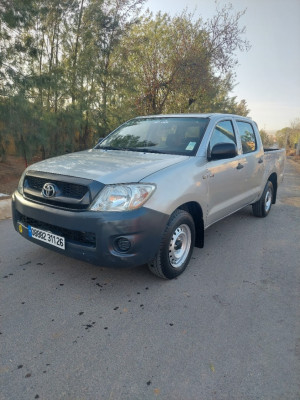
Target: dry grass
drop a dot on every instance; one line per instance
(290, 152)
(296, 158)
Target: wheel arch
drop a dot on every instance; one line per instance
(273, 178)
(195, 210)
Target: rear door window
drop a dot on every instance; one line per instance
(248, 138)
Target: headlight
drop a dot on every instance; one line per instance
(21, 182)
(122, 197)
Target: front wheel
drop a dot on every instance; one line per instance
(263, 206)
(176, 246)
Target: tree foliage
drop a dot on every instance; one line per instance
(266, 139)
(289, 137)
(176, 65)
(72, 70)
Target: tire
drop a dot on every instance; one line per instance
(263, 206)
(176, 246)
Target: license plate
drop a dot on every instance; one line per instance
(47, 237)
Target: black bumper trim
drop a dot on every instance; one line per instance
(142, 227)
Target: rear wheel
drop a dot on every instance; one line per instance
(176, 246)
(263, 206)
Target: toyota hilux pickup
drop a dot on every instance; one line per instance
(146, 193)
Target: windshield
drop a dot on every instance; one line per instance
(168, 135)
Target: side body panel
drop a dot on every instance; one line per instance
(182, 183)
(226, 188)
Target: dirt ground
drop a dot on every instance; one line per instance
(10, 172)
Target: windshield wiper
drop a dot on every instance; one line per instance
(143, 150)
(139, 149)
(110, 148)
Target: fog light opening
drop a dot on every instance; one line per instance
(123, 244)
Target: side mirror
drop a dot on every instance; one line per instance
(223, 150)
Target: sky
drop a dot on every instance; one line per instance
(267, 76)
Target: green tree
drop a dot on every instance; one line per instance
(266, 138)
(72, 70)
(176, 65)
(289, 137)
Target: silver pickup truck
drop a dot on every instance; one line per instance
(146, 193)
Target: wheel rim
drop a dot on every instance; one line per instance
(268, 200)
(180, 245)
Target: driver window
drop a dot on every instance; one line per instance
(223, 133)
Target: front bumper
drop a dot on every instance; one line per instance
(93, 236)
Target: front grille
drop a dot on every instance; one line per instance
(71, 190)
(82, 238)
(60, 204)
(71, 193)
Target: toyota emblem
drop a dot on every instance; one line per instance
(49, 190)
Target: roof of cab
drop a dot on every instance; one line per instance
(205, 115)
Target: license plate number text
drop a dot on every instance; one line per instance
(47, 237)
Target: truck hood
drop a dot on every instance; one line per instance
(108, 166)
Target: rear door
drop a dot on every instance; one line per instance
(252, 160)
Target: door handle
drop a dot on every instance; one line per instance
(208, 176)
(240, 166)
(260, 161)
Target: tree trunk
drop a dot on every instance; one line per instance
(24, 150)
(43, 152)
(56, 65)
(76, 54)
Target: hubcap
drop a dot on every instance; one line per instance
(268, 200)
(180, 245)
